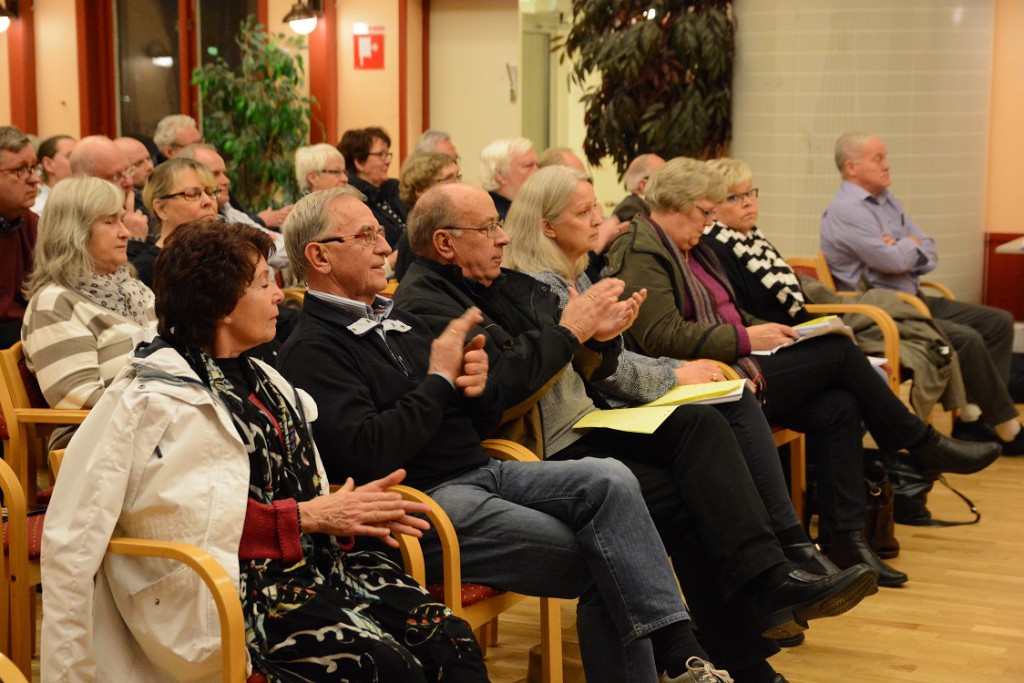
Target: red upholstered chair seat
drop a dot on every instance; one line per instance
(472, 593)
(35, 536)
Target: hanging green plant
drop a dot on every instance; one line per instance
(255, 115)
(666, 76)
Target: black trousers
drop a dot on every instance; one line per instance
(825, 388)
(710, 518)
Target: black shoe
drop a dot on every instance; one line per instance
(802, 596)
(1015, 447)
(973, 431)
(792, 641)
(808, 557)
(850, 548)
(940, 454)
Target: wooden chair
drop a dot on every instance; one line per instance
(9, 673)
(480, 605)
(818, 269)
(295, 296)
(389, 291)
(20, 572)
(23, 410)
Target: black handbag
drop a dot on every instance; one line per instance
(910, 493)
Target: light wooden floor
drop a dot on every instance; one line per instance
(960, 619)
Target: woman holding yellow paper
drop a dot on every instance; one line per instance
(551, 227)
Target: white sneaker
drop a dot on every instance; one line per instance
(698, 671)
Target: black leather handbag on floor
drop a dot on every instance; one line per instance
(910, 493)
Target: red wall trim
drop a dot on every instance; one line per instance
(323, 76)
(21, 51)
(403, 78)
(188, 56)
(97, 92)
(262, 13)
(425, 64)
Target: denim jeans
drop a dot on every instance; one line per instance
(567, 530)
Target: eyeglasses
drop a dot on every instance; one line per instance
(332, 171)
(369, 236)
(740, 197)
(23, 171)
(386, 156)
(489, 230)
(455, 178)
(126, 174)
(193, 194)
(708, 213)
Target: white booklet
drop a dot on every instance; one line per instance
(830, 324)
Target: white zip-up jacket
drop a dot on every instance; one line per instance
(159, 458)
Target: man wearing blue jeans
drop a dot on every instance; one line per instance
(866, 235)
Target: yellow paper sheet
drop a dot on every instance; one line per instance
(689, 393)
(644, 420)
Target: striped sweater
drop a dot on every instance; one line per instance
(76, 347)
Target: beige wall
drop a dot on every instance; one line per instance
(1006, 138)
(57, 68)
(470, 44)
(5, 82)
(918, 75)
(369, 97)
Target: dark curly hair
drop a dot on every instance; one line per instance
(356, 144)
(201, 274)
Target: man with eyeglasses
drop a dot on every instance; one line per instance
(391, 395)
(19, 178)
(98, 156)
(866, 235)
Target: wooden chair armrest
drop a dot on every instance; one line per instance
(52, 416)
(452, 570)
(225, 594)
(938, 286)
(503, 449)
(920, 306)
(890, 333)
(9, 671)
(55, 459)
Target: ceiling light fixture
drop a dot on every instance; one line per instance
(303, 16)
(8, 11)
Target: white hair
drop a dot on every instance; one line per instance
(496, 157)
(429, 139)
(314, 159)
(169, 127)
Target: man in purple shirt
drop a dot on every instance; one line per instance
(866, 235)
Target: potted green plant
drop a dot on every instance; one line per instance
(665, 69)
(255, 115)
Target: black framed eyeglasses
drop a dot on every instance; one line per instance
(332, 171)
(368, 236)
(386, 156)
(488, 230)
(193, 194)
(740, 197)
(25, 170)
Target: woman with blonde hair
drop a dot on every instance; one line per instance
(178, 191)
(85, 313)
(319, 167)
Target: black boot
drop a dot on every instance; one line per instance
(798, 596)
(806, 556)
(850, 547)
(939, 454)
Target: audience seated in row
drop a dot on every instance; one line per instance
(54, 158)
(18, 182)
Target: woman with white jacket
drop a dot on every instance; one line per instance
(198, 443)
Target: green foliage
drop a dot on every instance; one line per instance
(666, 82)
(254, 114)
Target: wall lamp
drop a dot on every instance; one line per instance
(303, 15)
(8, 11)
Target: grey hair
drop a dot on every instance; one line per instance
(848, 147)
(189, 152)
(681, 183)
(496, 157)
(12, 139)
(167, 130)
(639, 170)
(309, 221)
(435, 210)
(429, 138)
(314, 159)
(62, 245)
(543, 197)
(733, 171)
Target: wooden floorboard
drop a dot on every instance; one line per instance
(960, 618)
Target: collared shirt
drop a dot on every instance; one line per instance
(42, 194)
(852, 231)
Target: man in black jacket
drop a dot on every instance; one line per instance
(390, 395)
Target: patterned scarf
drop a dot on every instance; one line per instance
(760, 257)
(119, 293)
(703, 303)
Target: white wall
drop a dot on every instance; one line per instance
(470, 44)
(916, 72)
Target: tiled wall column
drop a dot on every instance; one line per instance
(916, 72)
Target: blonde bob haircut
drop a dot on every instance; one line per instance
(62, 244)
(734, 172)
(681, 183)
(314, 159)
(161, 180)
(543, 197)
